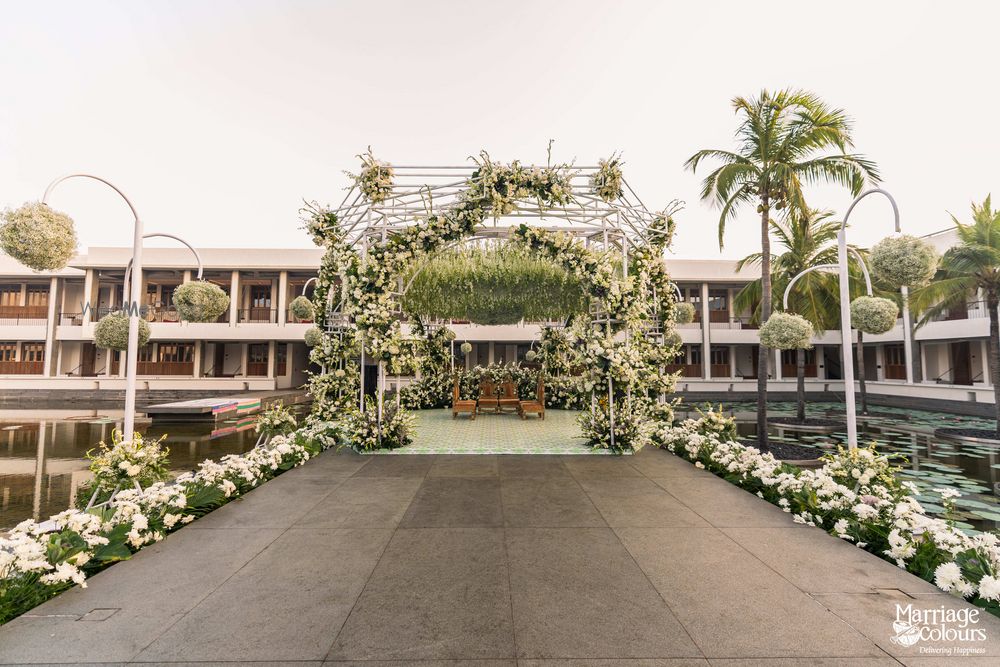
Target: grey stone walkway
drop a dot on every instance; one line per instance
(495, 559)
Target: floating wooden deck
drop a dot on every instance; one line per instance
(220, 407)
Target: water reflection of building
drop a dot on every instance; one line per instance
(43, 462)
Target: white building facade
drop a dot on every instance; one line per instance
(47, 331)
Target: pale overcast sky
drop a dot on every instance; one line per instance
(217, 118)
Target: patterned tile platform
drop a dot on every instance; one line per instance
(437, 433)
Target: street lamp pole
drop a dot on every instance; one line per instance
(845, 316)
(132, 353)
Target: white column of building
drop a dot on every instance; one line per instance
(272, 358)
(282, 297)
(244, 358)
(199, 345)
(923, 362)
(50, 368)
(777, 364)
(706, 337)
(879, 363)
(234, 298)
(984, 355)
(88, 296)
(22, 299)
(732, 362)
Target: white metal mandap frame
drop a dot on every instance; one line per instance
(620, 226)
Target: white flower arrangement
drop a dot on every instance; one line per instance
(786, 331)
(683, 312)
(111, 331)
(314, 337)
(375, 178)
(124, 463)
(855, 496)
(318, 221)
(276, 420)
(367, 432)
(466, 348)
(302, 309)
(606, 182)
(39, 237)
(200, 301)
(38, 562)
(873, 314)
(903, 260)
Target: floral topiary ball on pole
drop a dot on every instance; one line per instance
(39, 237)
(200, 301)
(683, 312)
(903, 261)
(111, 332)
(302, 309)
(786, 331)
(873, 315)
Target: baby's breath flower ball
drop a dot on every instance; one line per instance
(200, 301)
(683, 313)
(873, 315)
(39, 237)
(466, 348)
(903, 260)
(111, 331)
(301, 308)
(314, 336)
(786, 331)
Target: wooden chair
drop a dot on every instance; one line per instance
(488, 397)
(509, 398)
(536, 406)
(458, 405)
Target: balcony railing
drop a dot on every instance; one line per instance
(686, 370)
(30, 315)
(791, 370)
(257, 369)
(895, 371)
(21, 367)
(165, 368)
(257, 316)
(719, 370)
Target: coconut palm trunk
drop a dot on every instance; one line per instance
(800, 383)
(765, 312)
(993, 351)
(861, 374)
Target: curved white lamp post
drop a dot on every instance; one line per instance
(132, 354)
(845, 316)
(845, 344)
(197, 256)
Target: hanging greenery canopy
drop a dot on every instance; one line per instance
(493, 285)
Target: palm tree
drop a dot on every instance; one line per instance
(781, 140)
(966, 271)
(809, 239)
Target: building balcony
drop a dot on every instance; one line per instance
(686, 370)
(22, 367)
(23, 315)
(257, 316)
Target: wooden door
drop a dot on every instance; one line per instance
(961, 368)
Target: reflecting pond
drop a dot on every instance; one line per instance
(43, 461)
(928, 461)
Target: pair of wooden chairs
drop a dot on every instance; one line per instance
(492, 400)
(497, 403)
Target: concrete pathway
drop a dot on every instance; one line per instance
(496, 559)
